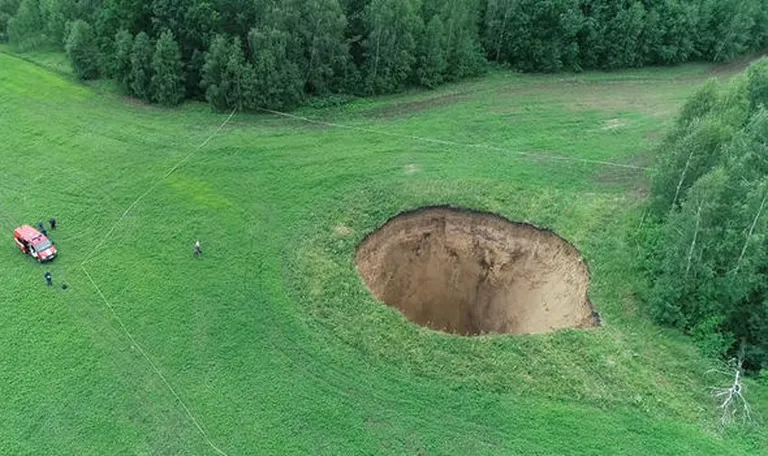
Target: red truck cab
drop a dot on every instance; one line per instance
(34, 243)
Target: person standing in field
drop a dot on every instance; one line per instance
(52, 222)
(198, 251)
(48, 278)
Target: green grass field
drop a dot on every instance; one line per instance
(270, 343)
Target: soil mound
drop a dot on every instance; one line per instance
(471, 273)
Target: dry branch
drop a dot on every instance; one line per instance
(731, 400)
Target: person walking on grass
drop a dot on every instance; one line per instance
(52, 222)
(42, 228)
(198, 251)
(48, 278)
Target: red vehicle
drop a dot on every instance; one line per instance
(34, 243)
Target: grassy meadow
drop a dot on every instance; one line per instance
(270, 343)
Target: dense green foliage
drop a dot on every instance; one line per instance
(390, 46)
(377, 46)
(226, 75)
(271, 339)
(121, 65)
(82, 51)
(167, 80)
(277, 84)
(26, 29)
(8, 8)
(432, 61)
(709, 231)
(534, 34)
(140, 76)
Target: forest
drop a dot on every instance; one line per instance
(278, 53)
(705, 230)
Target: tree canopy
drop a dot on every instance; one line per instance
(82, 51)
(140, 76)
(375, 46)
(707, 238)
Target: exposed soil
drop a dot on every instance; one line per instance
(414, 107)
(471, 273)
(342, 230)
(412, 168)
(613, 124)
(736, 65)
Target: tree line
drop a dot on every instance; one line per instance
(276, 53)
(706, 234)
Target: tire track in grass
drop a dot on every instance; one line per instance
(381, 398)
(124, 328)
(155, 184)
(330, 377)
(152, 364)
(83, 191)
(531, 155)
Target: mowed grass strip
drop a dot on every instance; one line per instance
(271, 339)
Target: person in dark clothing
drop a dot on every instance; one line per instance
(40, 226)
(198, 251)
(48, 278)
(52, 222)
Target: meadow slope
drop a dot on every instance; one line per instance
(270, 343)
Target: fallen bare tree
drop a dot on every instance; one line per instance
(731, 401)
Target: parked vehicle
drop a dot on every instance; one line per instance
(34, 243)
